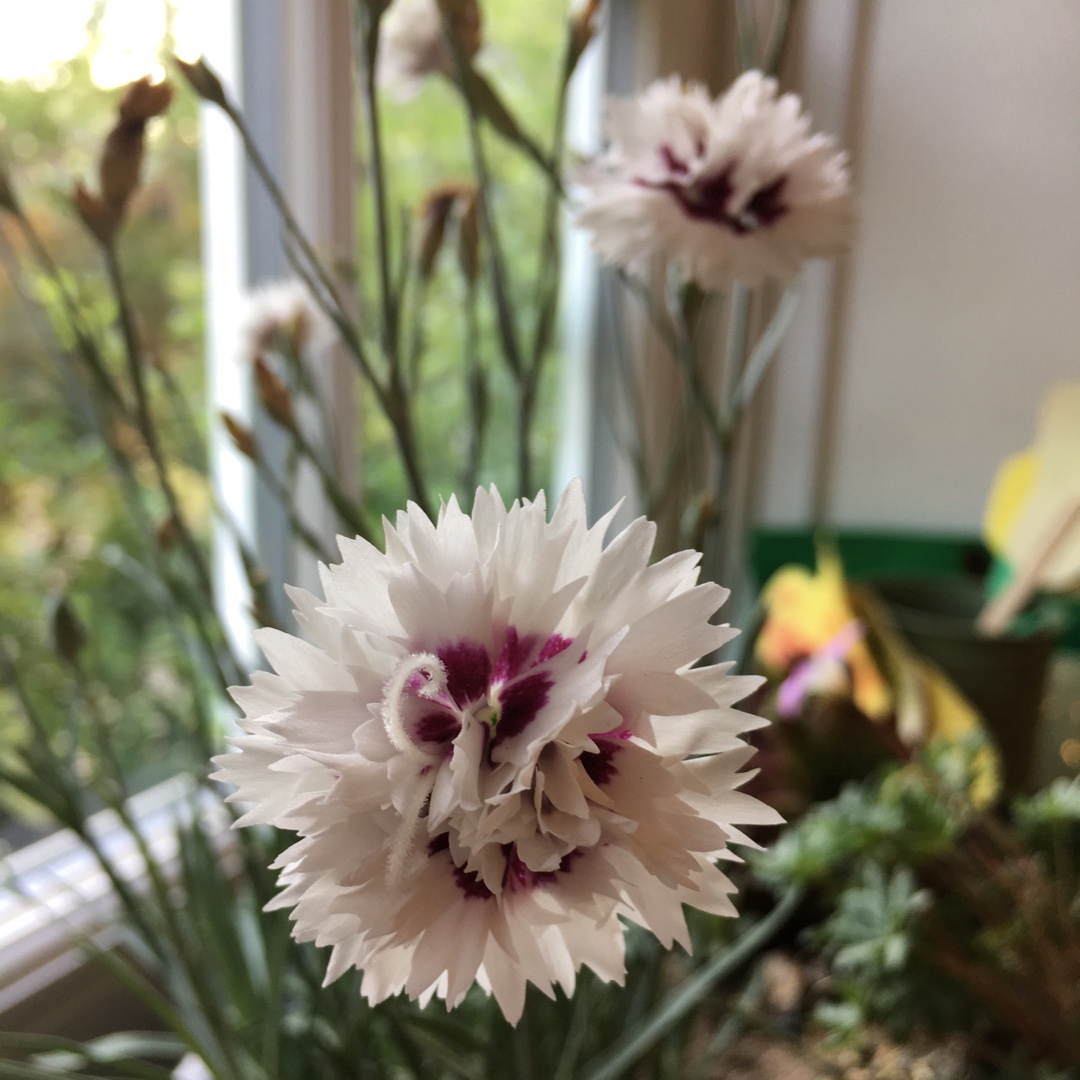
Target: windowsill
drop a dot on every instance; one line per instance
(53, 894)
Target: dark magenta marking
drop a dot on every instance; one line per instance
(600, 767)
(468, 671)
(520, 702)
(706, 199)
(471, 885)
(672, 161)
(437, 727)
(553, 646)
(512, 656)
(519, 876)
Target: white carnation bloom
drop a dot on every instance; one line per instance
(412, 46)
(283, 310)
(736, 189)
(493, 748)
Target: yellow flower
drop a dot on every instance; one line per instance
(805, 612)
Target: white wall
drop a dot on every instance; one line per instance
(960, 303)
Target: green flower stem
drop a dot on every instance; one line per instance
(761, 357)
(369, 45)
(499, 276)
(177, 957)
(107, 387)
(746, 34)
(346, 508)
(778, 37)
(680, 304)
(680, 1001)
(391, 399)
(476, 393)
(84, 339)
(278, 490)
(548, 276)
(148, 430)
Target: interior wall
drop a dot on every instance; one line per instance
(926, 354)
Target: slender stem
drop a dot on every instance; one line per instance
(526, 410)
(347, 509)
(778, 37)
(735, 345)
(761, 357)
(499, 279)
(746, 33)
(149, 434)
(278, 490)
(369, 44)
(679, 1002)
(281, 203)
(84, 339)
(684, 354)
(476, 392)
(101, 379)
(389, 399)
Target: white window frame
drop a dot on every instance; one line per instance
(282, 61)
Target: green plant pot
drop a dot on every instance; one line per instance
(1004, 678)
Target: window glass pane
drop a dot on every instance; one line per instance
(84, 628)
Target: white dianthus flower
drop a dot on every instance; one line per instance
(412, 45)
(494, 748)
(283, 312)
(736, 189)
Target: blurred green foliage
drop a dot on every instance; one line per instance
(64, 526)
(427, 146)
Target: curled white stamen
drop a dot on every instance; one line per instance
(432, 683)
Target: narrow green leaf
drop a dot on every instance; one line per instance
(685, 997)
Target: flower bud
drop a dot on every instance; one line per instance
(203, 80)
(97, 215)
(8, 201)
(66, 631)
(167, 533)
(241, 435)
(435, 214)
(274, 394)
(122, 154)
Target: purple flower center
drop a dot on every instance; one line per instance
(468, 671)
(506, 691)
(707, 197)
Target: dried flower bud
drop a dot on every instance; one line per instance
(167, 533)
(67, 631)
(144, 99)
(97, 215)
(241, 435)
(435, 213)
(463, 19)
(274, 395)
(122, 154)
(413, 45)
(8, 201)
(469, 238)
(203, 80)
(284, 313)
